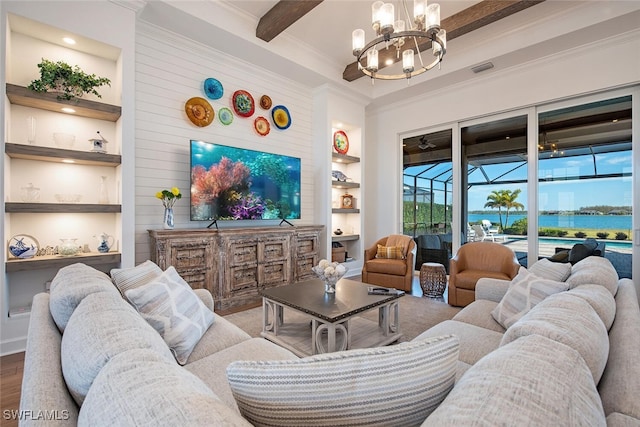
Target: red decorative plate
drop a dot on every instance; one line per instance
(340, 142)
(243, 103)
(262, 126)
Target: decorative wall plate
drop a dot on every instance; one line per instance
(262, 126)
(243, 103)
(23, 246)
(225, 115)
(281, 117)
(199, 111)
(213, 88)
(340, 142)
(265, 102)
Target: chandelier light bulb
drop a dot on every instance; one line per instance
(372, 60)
(357, 40)
(442, 35)
(387, 14)
(433, 16)
(419, 12)
(407, 61)
(375, 15)
(398, 26)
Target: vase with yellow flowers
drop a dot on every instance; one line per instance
(169, 198)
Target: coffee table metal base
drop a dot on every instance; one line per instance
(316, 336)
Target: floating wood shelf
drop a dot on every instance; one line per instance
(57, 261)
(20, 95)
(19, 207)
(344, 211)
(343, 184)
(343, 158)
(57, 155)
(345, 237)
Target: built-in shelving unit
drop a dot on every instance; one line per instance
(20, 95)
(57, 261)
(345, 238)
(50, 154)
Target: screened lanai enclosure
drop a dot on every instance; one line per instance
(584, 174)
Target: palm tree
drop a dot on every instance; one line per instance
(495, 200)
(506, 199)
(510, 203)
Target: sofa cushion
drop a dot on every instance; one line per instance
(525, 292)
(550, 270)
(390, 252)
(396, 267)
(600, 299)
(594, 270)
(169, 305)
(570, 320)
(134, 277)
(70, 286)
(221, 334)
(213, 368)
(479, 313)
(533, 381)
(138, 387)
(399, 384)
(475, 341)
(103, 326)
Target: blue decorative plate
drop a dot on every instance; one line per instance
(23, 246)
(213, 88)
(281, 117)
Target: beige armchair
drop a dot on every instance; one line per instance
(390, 272)
(475, 260)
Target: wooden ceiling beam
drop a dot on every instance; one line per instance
(281, 16)
(463, 22)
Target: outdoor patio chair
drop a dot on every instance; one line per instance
(489, 228)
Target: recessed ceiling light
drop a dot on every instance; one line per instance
(68, 40)
(68, 110)
(68, 161)
(389, 62)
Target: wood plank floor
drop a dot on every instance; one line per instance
(11, 368)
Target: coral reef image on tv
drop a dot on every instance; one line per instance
(230, 183)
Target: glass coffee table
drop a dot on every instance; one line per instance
(322, 322)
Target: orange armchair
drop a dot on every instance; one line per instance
(475, 260)
(391, 273)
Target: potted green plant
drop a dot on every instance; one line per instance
(69, 81)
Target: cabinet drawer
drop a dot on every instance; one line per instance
(195, 279)
(243, 278)
(304, 266)
(275, 250)
(243, 253)
(275, 273)
(307, 245)
(189, 257)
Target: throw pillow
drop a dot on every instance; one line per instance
(395, 385)
(550, 270)
(525, 292)
(579, 251)
(134, 277)
(174, 310)
(400, 240)
(389, 252)
(560, 256)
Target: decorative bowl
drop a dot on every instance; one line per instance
(64, 140)
(68, 198)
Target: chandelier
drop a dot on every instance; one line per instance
(391, 33)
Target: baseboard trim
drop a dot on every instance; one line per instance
(16, 345)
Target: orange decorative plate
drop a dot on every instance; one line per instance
(199, 111)
(262, 126)
(340, 142)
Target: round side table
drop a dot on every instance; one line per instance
(433, 279)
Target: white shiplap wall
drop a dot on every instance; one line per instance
(170, 69)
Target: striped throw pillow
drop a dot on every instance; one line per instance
(174, 310)
(390, 252)
(551, 270)
(526, 290)
(395, 385)
(134, 277)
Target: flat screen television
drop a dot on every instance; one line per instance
(230, 183)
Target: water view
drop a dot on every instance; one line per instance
(591, 222)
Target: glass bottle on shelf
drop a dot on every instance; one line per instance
(103, 197)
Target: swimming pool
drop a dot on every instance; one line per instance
(622, 244)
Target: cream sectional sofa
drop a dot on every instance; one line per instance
(110, 367)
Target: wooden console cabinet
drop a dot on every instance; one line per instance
(233, 264)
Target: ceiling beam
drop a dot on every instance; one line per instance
(281, 16)
(463, 22)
